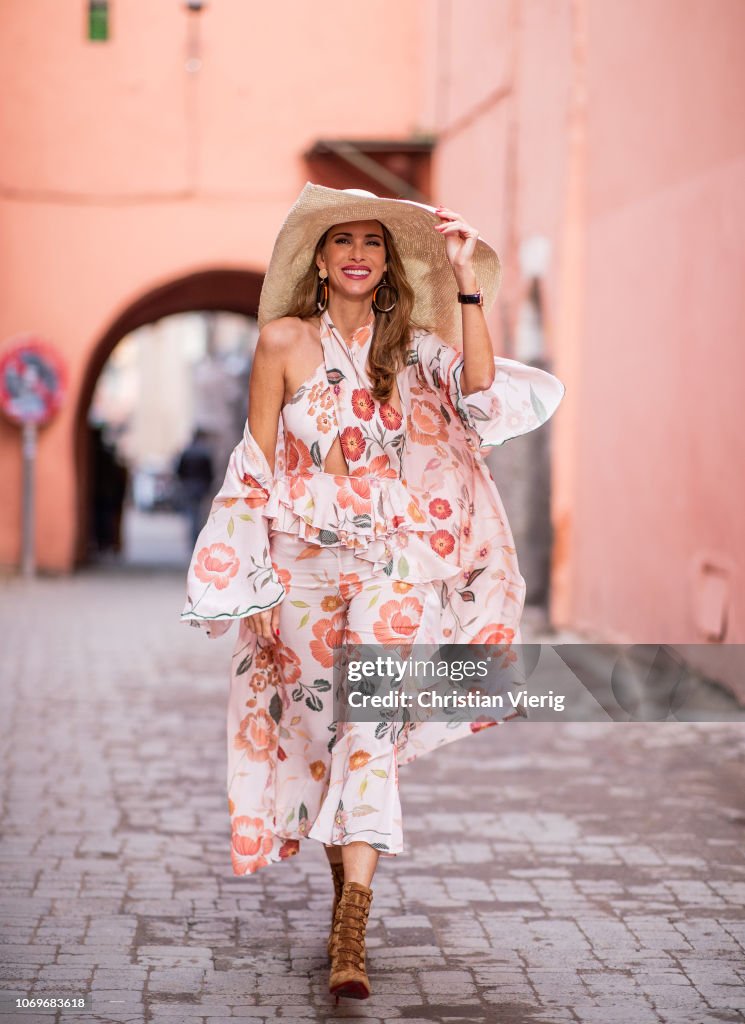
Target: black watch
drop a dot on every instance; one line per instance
(477, 299)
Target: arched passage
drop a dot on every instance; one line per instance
(233, 291)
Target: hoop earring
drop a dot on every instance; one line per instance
(322, 294)
(384, 285)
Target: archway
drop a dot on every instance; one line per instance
(232, 291)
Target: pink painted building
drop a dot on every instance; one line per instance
(595, 144)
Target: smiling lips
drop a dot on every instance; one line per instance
(357, 273)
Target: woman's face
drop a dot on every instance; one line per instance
(354, 257)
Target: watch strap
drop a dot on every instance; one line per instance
(475, 299)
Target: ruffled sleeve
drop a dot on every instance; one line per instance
(230, 574)
(520, 399)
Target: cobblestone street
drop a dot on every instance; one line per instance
(589, 873)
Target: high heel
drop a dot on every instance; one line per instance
(348, 976)
(337, 873)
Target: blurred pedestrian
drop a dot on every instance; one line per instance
(359, 489)
(195, 474)
(109, 488)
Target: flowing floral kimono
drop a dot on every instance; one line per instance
(419, 504)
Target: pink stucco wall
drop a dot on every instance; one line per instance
(616, 131)
(121, 170)
(613, 130)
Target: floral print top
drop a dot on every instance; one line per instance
(419, 501)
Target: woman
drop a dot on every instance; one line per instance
(357, 509)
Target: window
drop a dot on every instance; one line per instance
(98, 20)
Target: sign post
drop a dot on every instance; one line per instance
(32, 383)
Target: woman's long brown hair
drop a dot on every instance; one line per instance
(392, 337)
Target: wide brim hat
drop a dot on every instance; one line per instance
(421, 249)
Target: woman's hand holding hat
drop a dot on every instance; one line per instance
(460, 246)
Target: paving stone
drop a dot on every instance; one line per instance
(588, 873)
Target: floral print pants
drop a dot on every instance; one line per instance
(335, 780)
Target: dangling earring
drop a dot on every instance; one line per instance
(322, 293)
(384, 285)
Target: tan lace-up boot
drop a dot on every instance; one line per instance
(337, 873)
(348, 975)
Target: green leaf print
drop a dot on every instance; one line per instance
(231, 527)
(379, 772)
(379, 846)
(315, 454)
(362, 809)
(303, 620)
(362, 520)
(403, 567)
(313, 702)
(321, 685)
(302, 812)
(299, 604)
(538, 407)
(245, 665)
(388, 569)
(474, 575)
(328, 537)
(275, 707)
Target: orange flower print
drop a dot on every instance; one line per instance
(427, 424)
(494, 633)
(363, 405)
(257, 735)
(397, 520)
(250, 841)
(263, 658)
(217, 564)
(288, 663)
(415, 512)
(317, 770)
(358, 759)
(483, 552)
(283, 575)
(478, 726)
(352, 443)
(258, 681)
(353, 493)
(289, 848)
(379, 466)
(442, 542)
(297, 455)
(349, 585)
(331, 633)
(440, 508)
(297, 485)
(332, 602)
(390, 416)
(324, 422)
(398, 620)
(399, 587)
(254, 500)
(328, 633)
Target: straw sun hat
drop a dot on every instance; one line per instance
(422, 251)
